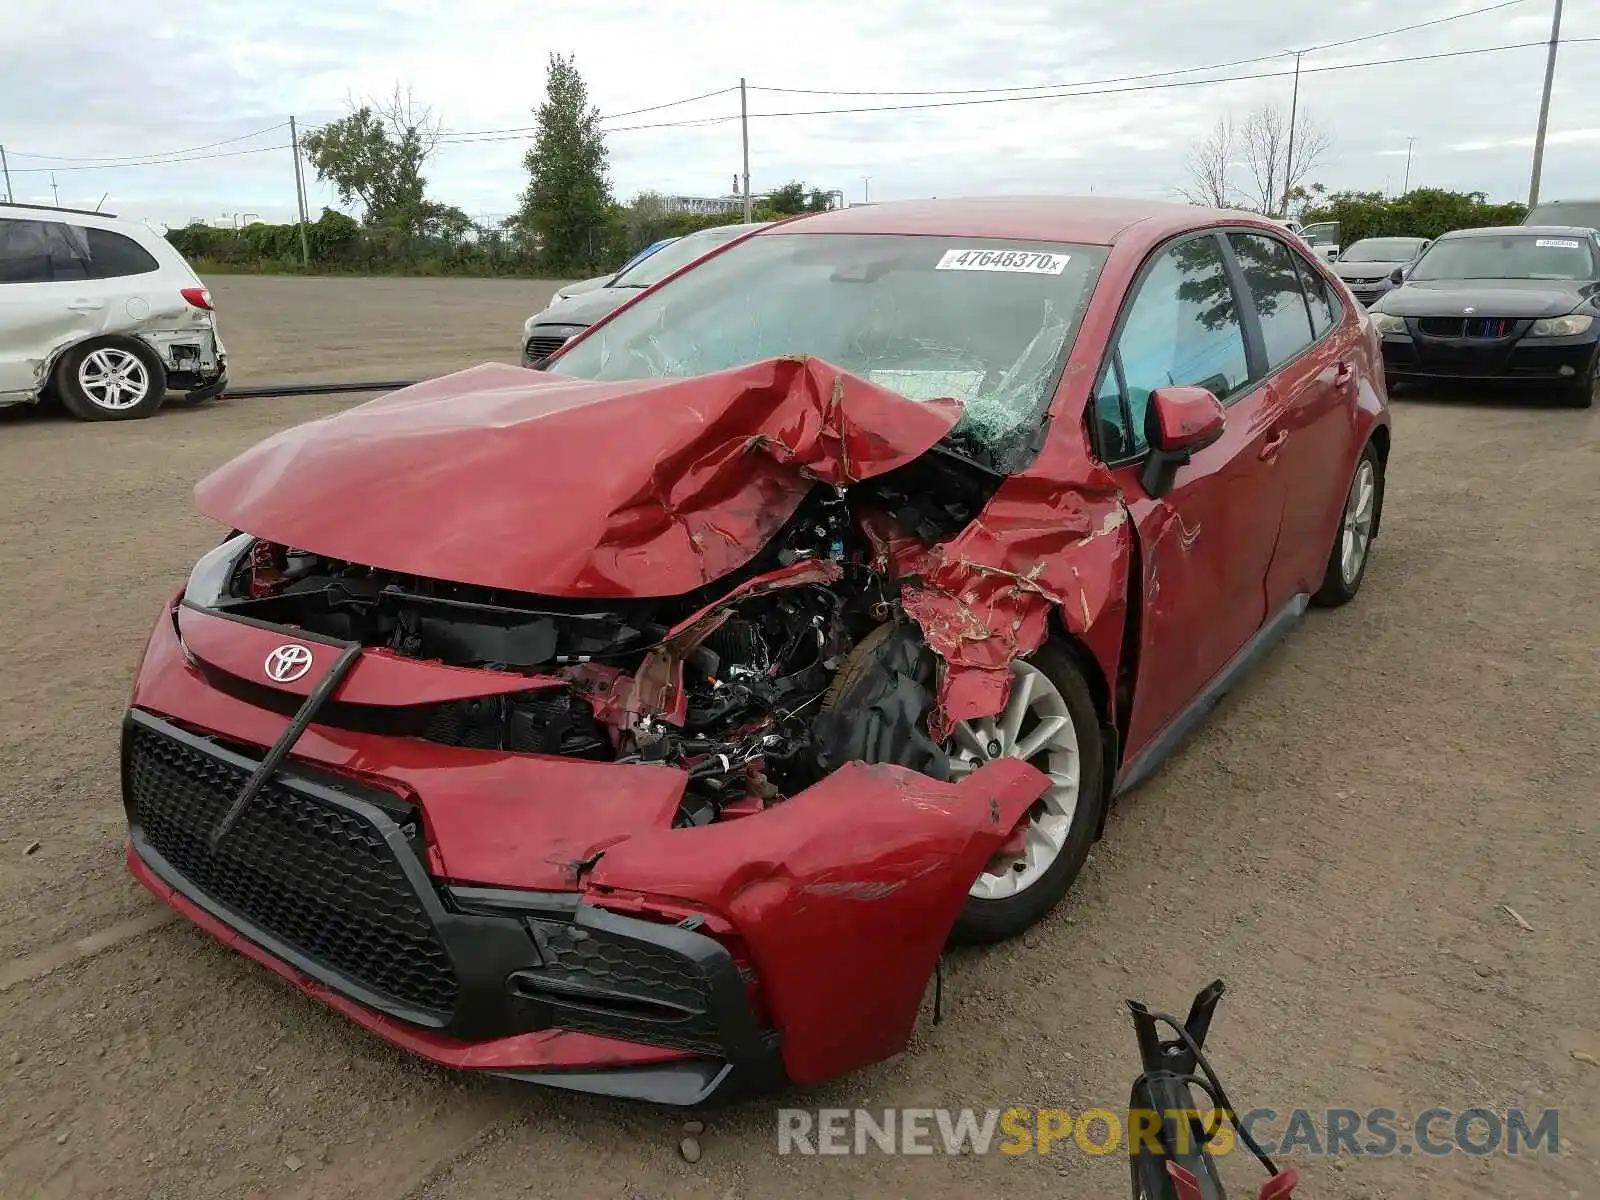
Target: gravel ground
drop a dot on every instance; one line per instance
(1337, 842)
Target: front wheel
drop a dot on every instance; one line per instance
(1050, 721)
(111, 381)
(1581, 395)
(1358, 520)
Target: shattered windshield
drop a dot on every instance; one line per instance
(986, 321)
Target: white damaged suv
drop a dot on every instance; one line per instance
(102, 315)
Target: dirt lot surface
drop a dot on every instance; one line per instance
(1337, 841)
(284, 328)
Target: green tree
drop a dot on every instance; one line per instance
(793, 198)
(1421, 212)
(786, 201)
(376, 155)
(567, 205)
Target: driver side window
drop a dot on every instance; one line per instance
(1182, 327)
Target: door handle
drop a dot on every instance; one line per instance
(1343, 374)
(85, 306)
(1276, 444)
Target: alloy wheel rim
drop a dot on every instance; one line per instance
(1356, 531)
(113, 379)
(1036, 726)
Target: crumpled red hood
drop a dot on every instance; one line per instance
(517, 479)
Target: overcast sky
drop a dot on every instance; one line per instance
(93, 79)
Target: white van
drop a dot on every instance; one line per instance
(102, 315)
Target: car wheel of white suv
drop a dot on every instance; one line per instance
(111, 380)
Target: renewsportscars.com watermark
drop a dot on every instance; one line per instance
(1375, 1132)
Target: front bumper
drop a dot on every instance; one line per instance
(324, 881)
(540, 917)
(1417, 357)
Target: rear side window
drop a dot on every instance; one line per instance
(1181, 328)
(41, 252)
(1325, 308)
(111, 255)
(1274, 283)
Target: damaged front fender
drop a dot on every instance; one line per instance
(844, 896)
(1053, 540)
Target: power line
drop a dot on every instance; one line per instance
(515, 134)
(164, 162)
(1238, 62)
(451, 134)
(123, 158)
(670, 104)
(1150, 87)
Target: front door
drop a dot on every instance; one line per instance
(1206, 546)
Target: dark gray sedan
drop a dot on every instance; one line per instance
(1367, 266)
(546, 332)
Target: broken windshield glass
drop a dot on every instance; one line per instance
(986, 321)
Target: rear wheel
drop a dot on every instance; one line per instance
(1347, 562)
(1050, 721)
(111, 381)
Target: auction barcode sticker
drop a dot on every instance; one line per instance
(1022, 262)
(1559, 243)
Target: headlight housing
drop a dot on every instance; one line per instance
(1387, 323)
(208, 582)
(1568, 326)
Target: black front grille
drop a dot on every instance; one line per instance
(320, 878)
(542, 346)
(1472, 327)
(605, 983)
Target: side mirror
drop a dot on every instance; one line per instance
(1397, 276)
(1332, 253)
(1180, 422)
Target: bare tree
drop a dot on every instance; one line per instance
(1207, 165)
(1265, 146)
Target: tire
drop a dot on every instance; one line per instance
(132, 382)
(986, 919)
(1352, 541)
(1581, 395)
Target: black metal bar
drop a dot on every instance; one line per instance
(280, 749)
(268, 391)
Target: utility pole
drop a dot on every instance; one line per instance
(866, 189)
(1544, 106)
(1410, 142)
(1294, 113)
(6, 167)
(744, 134)
(54, 190)
(299, 193)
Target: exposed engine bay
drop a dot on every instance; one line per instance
(755, 686)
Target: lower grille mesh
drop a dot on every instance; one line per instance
(317, 877)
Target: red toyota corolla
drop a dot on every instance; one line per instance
(649, 723)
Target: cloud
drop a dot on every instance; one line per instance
(101, 78)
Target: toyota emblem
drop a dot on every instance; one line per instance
(1469, 310)
(288, 663)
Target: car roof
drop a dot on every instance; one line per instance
(1086, 220)
(1579, 231)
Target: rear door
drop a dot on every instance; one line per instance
(1312, 351)
(1205, 546)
